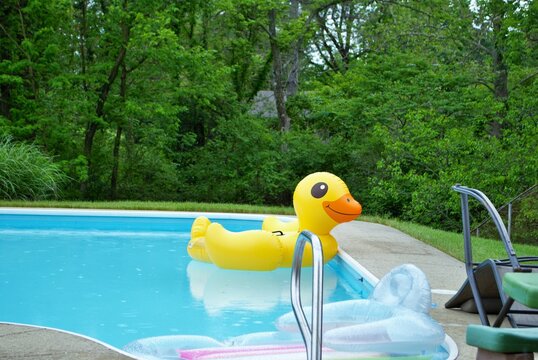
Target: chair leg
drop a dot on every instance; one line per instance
(482, 354)
(502, 314)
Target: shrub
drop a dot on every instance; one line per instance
(26, 173)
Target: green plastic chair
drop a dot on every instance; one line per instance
(509, 343)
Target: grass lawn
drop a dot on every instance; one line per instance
(153, 205)
(448, 242)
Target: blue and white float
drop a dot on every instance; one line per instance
(393, 321)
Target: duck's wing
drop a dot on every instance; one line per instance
(274, 224)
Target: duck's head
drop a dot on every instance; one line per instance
(322, 201)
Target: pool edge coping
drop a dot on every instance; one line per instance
(77, 335)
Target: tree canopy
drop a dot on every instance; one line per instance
(156, 100)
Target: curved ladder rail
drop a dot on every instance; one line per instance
(312, 334)
(503, 233)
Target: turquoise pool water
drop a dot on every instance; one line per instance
(122, 278)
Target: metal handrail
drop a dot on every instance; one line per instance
(483, 199)
(312, 334)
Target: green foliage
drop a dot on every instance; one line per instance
(425, 157)
(525, 227)
(240, 162)
(248, 162)
(152, 99)
(151, 176)
(522, 221)
(27, 173)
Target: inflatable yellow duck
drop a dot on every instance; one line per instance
(321, 201)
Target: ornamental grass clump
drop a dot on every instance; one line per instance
(26, 173)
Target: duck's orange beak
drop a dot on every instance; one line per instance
(344, 209)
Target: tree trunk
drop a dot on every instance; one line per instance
(293, 77)
(83, 28)
(261, 77)
(104, 92)
(31, 74)
(117, 140)
(116, 164)
(82, 44)
(500, 86)
(500, 69)
(5, 95)
(91, 128)
(279, 84)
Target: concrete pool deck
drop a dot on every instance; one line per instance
(377, 247)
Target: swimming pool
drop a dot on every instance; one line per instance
(118, 277)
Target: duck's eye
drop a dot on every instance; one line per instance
(319, 190)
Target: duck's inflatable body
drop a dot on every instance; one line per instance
(321, 201)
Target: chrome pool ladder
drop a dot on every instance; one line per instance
(312, 333)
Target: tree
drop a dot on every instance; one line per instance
(497, 26)
(340, 35)
(279, 80)
(104, 88)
